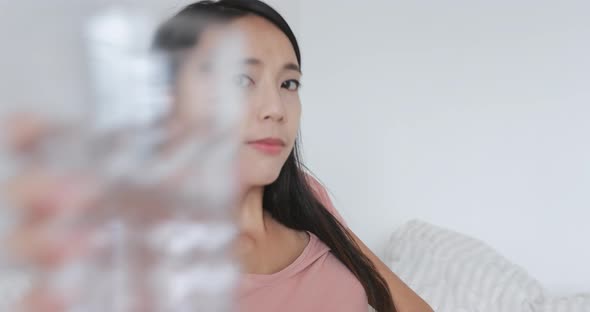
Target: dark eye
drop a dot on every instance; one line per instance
(291, 85)
(243, 81)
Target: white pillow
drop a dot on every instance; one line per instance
(577, 303)
(458, 273)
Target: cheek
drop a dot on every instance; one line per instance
(293, 106)
(256, 168)
(293, 111)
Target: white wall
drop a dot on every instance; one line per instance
(471, 115)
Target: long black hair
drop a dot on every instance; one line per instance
(290, 199)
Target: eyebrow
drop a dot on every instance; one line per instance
(288, 66)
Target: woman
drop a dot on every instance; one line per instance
(296, 251)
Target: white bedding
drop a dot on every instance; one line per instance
(457, 273)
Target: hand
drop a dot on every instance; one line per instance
(38, 198)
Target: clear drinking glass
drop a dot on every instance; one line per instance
(163, 166)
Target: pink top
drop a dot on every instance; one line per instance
(315, 281)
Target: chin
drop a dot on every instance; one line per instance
(260, 178)
(260, 173)
(257, 171)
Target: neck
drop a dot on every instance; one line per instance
(251, 219)
(264, 246)
(252, 225)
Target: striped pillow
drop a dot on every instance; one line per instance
(456, 273)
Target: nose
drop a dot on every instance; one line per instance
(270, 105)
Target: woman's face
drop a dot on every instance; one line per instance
(268, 75)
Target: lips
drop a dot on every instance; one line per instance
(270, 146)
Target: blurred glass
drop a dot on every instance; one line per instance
(164, 163)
